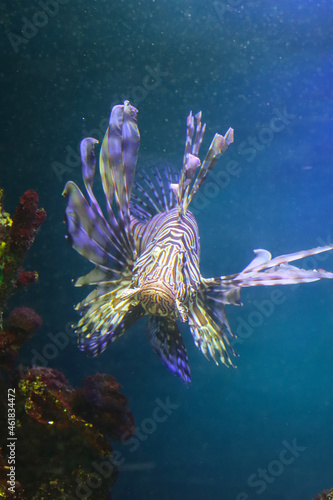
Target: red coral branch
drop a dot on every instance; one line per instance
(26, 221)
(17, 238)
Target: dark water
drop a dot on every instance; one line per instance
(244, 64)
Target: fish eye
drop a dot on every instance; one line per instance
(183, 258)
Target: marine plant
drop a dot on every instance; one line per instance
(17, 234)
(61, 432)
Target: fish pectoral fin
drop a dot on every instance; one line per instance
(213, 338)
(216, 291)
(129, 293)
(264, 270)
(166, 340)
(93, 339)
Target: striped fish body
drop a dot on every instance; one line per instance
(167, 269)
(146, 249)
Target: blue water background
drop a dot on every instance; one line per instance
(241, 63)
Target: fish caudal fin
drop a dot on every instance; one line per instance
(166, 340)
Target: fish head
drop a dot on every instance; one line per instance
(157, 298)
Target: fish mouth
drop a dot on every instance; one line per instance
(157, 298)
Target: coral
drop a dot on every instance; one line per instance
(16, 237)
(100, 402)
(62, 433)
(325, 495)
(24, 320)
(21, 325)
(8, 350)
(46, 395)
(26, 221)
(25, 278)
(60, 441)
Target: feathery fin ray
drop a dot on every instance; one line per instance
(192, 177)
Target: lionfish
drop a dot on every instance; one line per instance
(146, 250)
